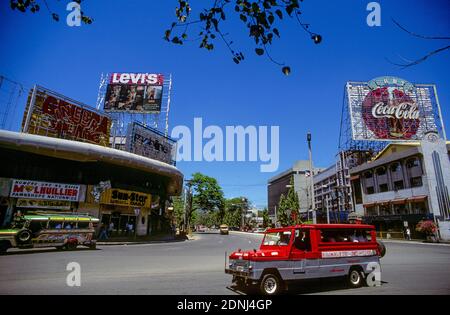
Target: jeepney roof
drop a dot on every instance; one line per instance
(322, 227)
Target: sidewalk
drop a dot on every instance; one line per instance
(141, 240)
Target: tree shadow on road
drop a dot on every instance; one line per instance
(46, 250)
(305, 287)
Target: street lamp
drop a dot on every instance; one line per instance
(328, 209)
(311, 174)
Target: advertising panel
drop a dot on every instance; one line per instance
(390, 108)
(125, 198)
(30, 189)
(145, 141)
(43, 204)
(134, 92)
(53, 115)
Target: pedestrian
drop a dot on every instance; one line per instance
(110, 229)
(103, 235)
(408, 234)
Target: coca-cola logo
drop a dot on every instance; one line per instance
(390, 113)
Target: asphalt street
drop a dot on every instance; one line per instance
(197, 267)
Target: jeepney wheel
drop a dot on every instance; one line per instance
(71, 246)
(270, 285)
(24, 237)
(355, 278)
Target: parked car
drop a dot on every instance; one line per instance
(39, 229)
(308, 251)
(224, 230)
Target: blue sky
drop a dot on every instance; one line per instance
(126, 36)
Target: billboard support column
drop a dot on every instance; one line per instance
(30, 110)
(440, 113)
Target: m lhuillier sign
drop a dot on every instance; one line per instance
(390, 108)
(43, 190)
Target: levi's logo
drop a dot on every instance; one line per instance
(137, 78)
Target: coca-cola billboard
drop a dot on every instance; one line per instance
(390, 108)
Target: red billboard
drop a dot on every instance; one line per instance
(53, 115)
(390, 108)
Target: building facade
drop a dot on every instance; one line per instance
(280, 184)
(404, 184)
(53, 175)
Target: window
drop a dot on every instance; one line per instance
(371, 211)
(416, 181)
(395, 167)
(277, 238)
(55, 225)
(302, 240)
(370, 190)
(83, 225)
(412, 163)
(399, 185)
(381, 171)
(384, 187)
(368, 175)
(351, 235)
(357, 191)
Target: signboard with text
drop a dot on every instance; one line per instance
(125, 198)
(148, 142)
(50, 114)
(134, 93)
(30, 189)
(390, 108)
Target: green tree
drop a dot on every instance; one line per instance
(266, 219)
(178, 210)
(206, 197)
(288, 209)
(234, 210)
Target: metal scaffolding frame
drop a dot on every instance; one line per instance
(121, 120)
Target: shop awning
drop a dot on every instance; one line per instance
(370, 204)
(354, 177)
(417, 198)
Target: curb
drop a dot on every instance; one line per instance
(140, 243)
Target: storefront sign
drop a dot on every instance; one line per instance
(125, 198)
(43, 190)
(43, 204)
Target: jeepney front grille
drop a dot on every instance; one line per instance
(239, 265)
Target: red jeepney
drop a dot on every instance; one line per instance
(309, 251)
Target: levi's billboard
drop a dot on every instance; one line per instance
(134, 92)
(390, 108)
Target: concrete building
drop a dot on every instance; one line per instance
(279, 185)
(404, 184)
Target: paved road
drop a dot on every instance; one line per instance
(196, 267)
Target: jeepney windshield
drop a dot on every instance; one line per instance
(277, 238)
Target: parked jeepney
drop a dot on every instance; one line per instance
(308, 251)
(40, 229)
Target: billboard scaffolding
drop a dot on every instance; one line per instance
(131, 98)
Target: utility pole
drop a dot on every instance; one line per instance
(187, 206)
(308, 139)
